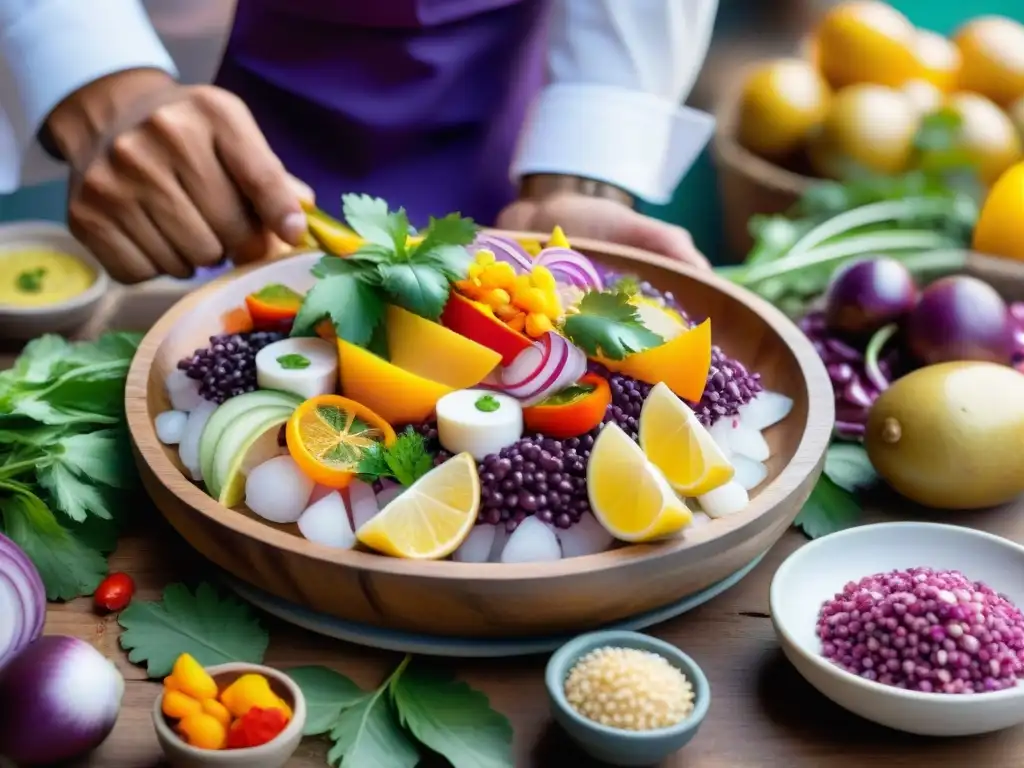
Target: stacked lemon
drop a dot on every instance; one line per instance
(857, 99)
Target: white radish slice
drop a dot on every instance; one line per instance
(725, 500)
(587, 537)
(279, 366)
(183, 391)
(389, 493)
(188, 448)
(721, 432)
(750, 443)
(531, 542)
(170, 426)
(749, 473)
(766, 409)
(463, 426)
(477, 546)
(362, 502)
(500, 540)
(326, 522)
(277, 490)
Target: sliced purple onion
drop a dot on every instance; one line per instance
(572, 267)
(504, 249)
(22, 600)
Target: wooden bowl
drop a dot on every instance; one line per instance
(495, 600)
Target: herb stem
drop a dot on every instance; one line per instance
(392, 680)
(16, 468)
(874, 349)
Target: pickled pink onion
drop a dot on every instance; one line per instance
(544, 368)
(572, 267)
(504, 249)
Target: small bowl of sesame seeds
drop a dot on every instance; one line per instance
(916, 626)
(626, 698)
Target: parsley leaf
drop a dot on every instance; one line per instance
(367, 735)
(327, 693)
(406, 461)
(293, 362)
(69, 566)
(420, 288)
(353, 306)
(372, 221)
(607, 324)
(828, 509)
(213, 629)
(452, 719)
(453, 229)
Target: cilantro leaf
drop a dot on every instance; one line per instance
(69, 567)
(828, 509)
(374, 465)
(327, 693)
(367, 735)
(372, 221)
(452, 719)
(406, 461)
(419, 288)
(74, 495)
(607, 324)
(353, 306)
(453, 229)
(848, 466)
(213, 629)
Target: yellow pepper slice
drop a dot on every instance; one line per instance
(250, 691)
(192, 679)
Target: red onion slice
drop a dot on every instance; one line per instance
(569, 266)
(505, 250)
(22, 600)
(527, 365)
(553, 363)
(553, 371)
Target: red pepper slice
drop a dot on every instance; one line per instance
(273, 306)
(257, 726)
(572, 412)
(114, 592)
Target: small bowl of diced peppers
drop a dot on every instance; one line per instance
(235, 714)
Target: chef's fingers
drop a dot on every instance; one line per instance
(660, 237)
(114, 249)
(254, 167)
(219, 200)
(140, 227)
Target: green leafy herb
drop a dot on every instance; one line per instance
(627, 284)
(376, 729)
(31, 280)
(607, 324)
(372, 221)
(848, 466)
(406, 461)
(353, 306)
(420, 288)
(293, 362)
(487, 404)
(213, 629)
(828, 509)
(568, 395)
(65, 464)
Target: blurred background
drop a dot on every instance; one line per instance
(746, 31)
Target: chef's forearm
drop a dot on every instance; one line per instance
(52, 49)
(619, 71)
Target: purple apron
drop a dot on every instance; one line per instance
(416, 101)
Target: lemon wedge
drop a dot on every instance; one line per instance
(432, 517)
(628, 494)
(675, 441)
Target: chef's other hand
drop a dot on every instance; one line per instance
(602, 219)
(167, 178)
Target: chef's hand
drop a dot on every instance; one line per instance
(167, 178)
(602, 219)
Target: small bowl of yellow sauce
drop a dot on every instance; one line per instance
(49, 282)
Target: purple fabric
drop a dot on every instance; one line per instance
(417, 101)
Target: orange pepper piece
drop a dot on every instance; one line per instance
(193, 679)
(250, 691)
(216, 710)
(179, 705)
(203, 731)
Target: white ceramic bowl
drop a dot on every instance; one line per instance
(820, 569)
(29, 322)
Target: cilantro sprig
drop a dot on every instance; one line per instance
(392, 266)
(406, 461)
(607, 324)
(65, 465)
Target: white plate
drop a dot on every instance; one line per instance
(820, 569)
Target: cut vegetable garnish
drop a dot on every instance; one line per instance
(573, 411)
(273, 306)
(546, 367)
(328, 436)
(682, 363)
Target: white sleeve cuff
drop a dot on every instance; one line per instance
(636, 141)
(56, 47)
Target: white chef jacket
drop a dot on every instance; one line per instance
(618, 72)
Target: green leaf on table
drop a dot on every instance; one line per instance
(848, 466)
(607, 324)
(68, 565)
(367, 735)
(828, 509)
(212, 628)
(73, 494)
(327, 694)
(372, 221)
(354, 307)
(453, 720)
(420, 288)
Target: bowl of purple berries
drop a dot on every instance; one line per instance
(915, 626)
(529, 438)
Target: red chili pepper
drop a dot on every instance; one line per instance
(114, 592)
(573, 412)
(257, 726)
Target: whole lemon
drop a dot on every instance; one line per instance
(992, 49)
(867, 42)
(986, 134)
(783, 101)
(998, 231)
(939, 60)
(868, 126)
(923, 95)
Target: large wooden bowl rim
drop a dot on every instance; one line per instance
(811, 449)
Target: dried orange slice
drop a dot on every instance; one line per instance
(328, 435)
